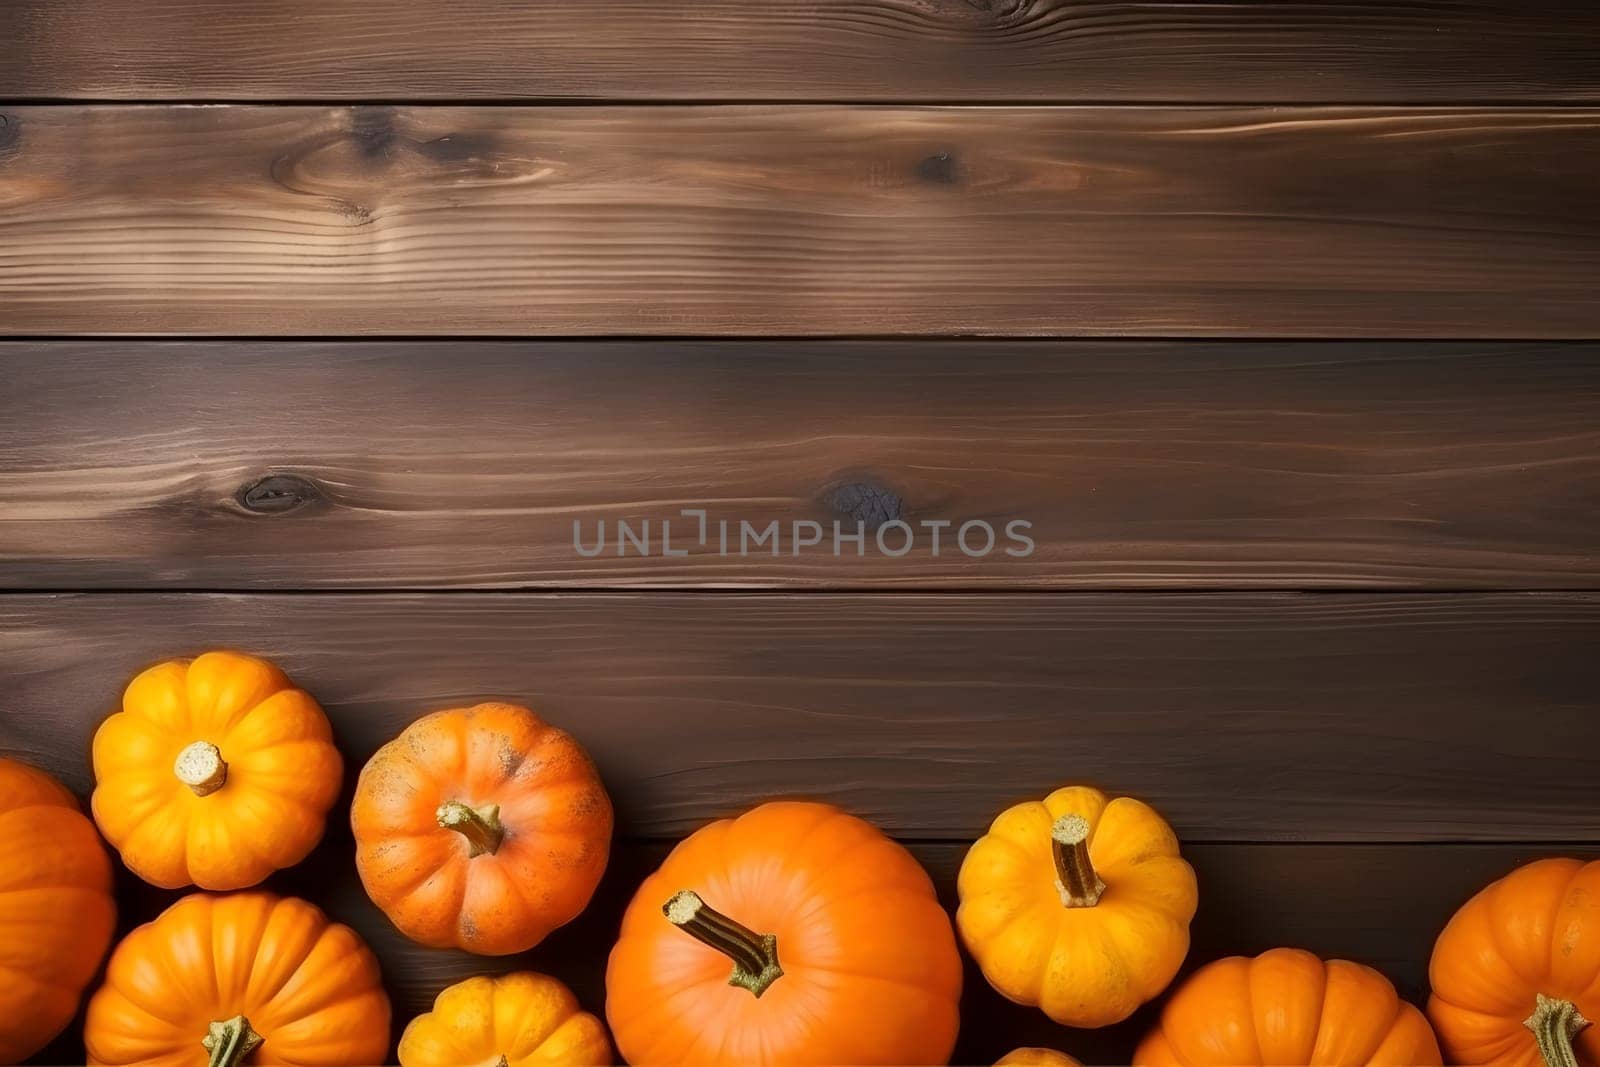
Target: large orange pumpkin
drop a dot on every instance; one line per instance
(215, 773)
(217, 979)
(1287, 1007)
(795, 934)
(1516, 972)
(481, 828)
(56, 909)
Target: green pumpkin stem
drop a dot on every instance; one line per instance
(1079, 885)
(230, 1042)
(1554, 1024)
(754, 956)
(480, 826)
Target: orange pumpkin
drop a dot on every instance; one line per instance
(215, 773)
(1287, 1007)
(1036, 1057)
(481, 828)
(1516, 972)
(795, 934)
(518, 1020)
(216, 979)
(56, 908)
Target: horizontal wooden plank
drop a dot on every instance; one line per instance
(1241, 716)
(1380, 904)
(449, 464)
(1308, 222)
(1282, 51)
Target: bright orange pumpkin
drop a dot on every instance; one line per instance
(1287, 1007)
(1077, 904)
(1036, 1057)
(215, 773)
(1516, 972)
(481, 828)
(518, 1020)
(219, 979)
(794, 934)
(56, 909)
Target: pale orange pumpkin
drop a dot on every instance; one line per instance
(56, 908)
(1288, 1008)
(215, 773)
(517, 1020)
(481, 828)
(223, 979)
(1077, 904)
(1516, 972)
(1036, 1057)
(795, 934)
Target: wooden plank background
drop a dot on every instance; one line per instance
(1322, 588)
(1254, 717)
(792, 220)
(383, 464)
(1278, 51)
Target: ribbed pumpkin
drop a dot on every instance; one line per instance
(795, 934)
(219, 979)
(56, 909)
(1077, 904)
(1516, 972)
(481, 828)
(1288, 1008)
(518, 1020)
(215, 773)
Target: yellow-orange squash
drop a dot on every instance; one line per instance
(56, 909)
(481, 828)
(795, 934)
(217, 979)
(1036, 1057)
(215, 773)
(1288, 1008)
(1078, 905)
(519, 1020)
(1516, 972)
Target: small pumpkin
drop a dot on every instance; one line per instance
(1287, 1007)
(1516, 972)
(1077, 904)
(216, 979)
(215, 773)
(1036, 1057)
(56, 908)
(794, 934)
(519, 1020)
(481, 828)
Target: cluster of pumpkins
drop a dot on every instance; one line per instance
(793, 934)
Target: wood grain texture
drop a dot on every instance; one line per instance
(231, 465)
(800, 220)
(1254, 717)
(1380, 904)
(1282, 51)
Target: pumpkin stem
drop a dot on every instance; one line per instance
(201, 768)
(480, 826)
(1554, 1024)
(1079, 885)
(754, 956)
(230, 1042)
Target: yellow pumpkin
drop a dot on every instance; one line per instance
(1077, 904)
(1036, 1057)
(520, 1020)
(215, 773)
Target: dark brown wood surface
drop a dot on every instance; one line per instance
(1380, 904)
(448, 464)
(1281, 51)
(1259, 717)
(1339, 221)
